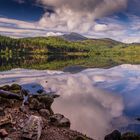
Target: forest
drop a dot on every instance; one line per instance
(54, 45)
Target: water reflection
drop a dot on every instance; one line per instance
(59, 62)
(96, 101)
(90, 110)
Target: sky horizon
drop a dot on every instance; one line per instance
(115, 19)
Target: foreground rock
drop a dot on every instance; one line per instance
(33, 128)
(30, 117)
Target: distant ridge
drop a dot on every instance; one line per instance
(73, 37)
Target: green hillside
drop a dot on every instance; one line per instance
(58, 44)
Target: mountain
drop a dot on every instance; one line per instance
(73, 37)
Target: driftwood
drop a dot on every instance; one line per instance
(10, 95)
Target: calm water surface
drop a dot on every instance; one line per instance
(96, 100)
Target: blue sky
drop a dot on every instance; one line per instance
(116, 19)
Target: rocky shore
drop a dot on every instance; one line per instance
(25, 116)
(30, 117)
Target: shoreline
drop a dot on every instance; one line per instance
(30, 117)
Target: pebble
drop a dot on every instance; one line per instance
(3, 133)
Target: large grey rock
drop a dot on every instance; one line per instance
(33, 128)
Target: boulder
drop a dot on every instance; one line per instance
(6, 88)
(44, 112)
(38, 102)
(59, 121)
(115, 135)
(10, 95)
(15, 87)
(46, 100)
(32, 129)
(34, 104)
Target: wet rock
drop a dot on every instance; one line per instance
(10, 95)
(3, 133)
(130, 136)
(59, 121)
(44, 112)
(115, 135)
(15, 87)
(6, 88)
(32, 129)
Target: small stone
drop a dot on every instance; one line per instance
(3, 133)
(23, 109)
(64, 122)
(44, 112)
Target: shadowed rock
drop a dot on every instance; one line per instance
(10, 95)
(59, 120)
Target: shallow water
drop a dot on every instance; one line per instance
(96, 101)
